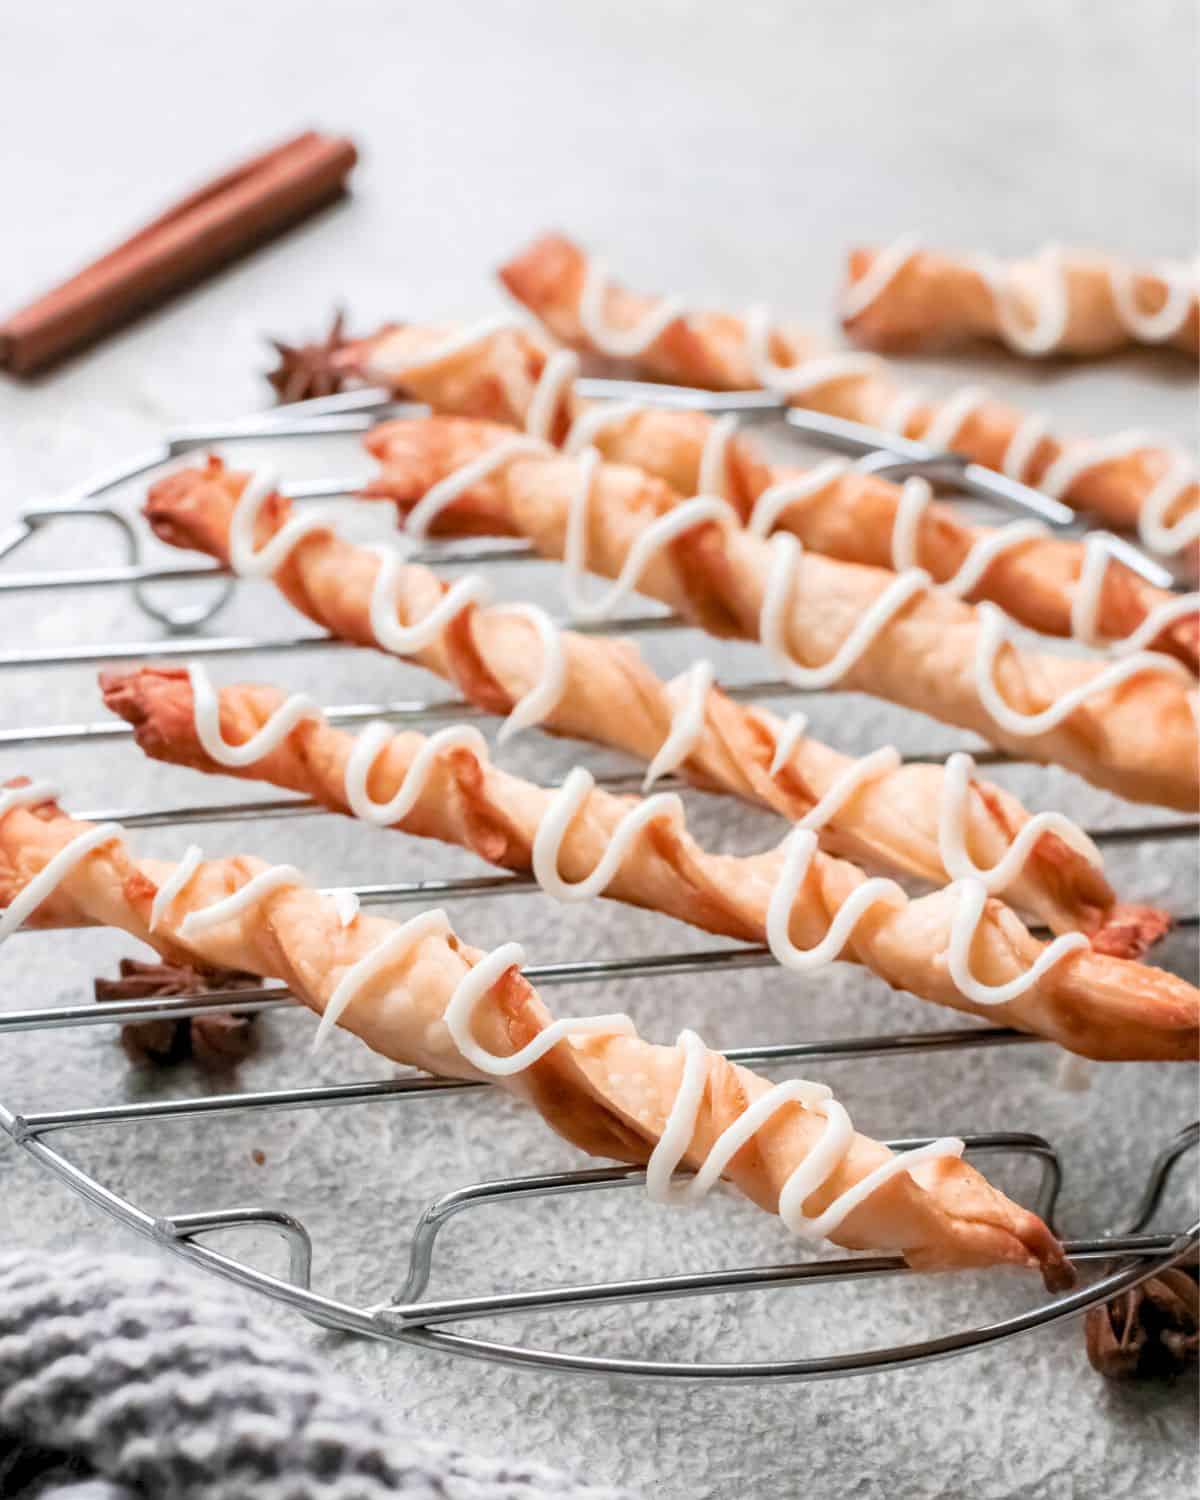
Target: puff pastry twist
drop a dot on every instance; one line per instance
(1133, 481)
(1128, 725)
(608, 695)
(1055, 585)
(582, 841)
(417, 994)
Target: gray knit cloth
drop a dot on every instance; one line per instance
(123, 1380)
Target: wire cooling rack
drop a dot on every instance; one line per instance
(1128, 1253)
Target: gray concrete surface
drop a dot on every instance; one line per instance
(727, 152)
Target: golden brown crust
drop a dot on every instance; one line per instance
(852, 517)
(941, 301)
(483, 808)
(610, 1095)
(709, 349)
(1138, 739)
(494, 657)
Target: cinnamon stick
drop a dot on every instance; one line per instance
(235, 212)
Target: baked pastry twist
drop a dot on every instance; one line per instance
(1053, 584)
(445, 787)
(417, 994)
(1128, 726)
(1056, 302)
(1131, 479)
(504, 658)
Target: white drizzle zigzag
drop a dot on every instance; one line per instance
(1049, 322)
(687, 721)
(808, 375)
(808, 1177)
(915, 497)
(785, 556)
(55, 871)
(916, 494)
(460, 1011)
(1051, 309)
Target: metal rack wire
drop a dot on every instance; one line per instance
(1129, 1253)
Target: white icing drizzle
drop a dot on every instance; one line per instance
(1153, 528)
(772, 631)
(690, 692)
(871, 767)
(1085, 604)
(385, 604)
(346, 903)
(858, 295)
(455, 343)
(1167, 320)
(175, 884)
(780, 497)
(416, 777)
(679, 1127)
(27, 796)
(681, 518)
(476, 983)
(1050, 309)
(915, 496)
(620, 343)
(558, 375)
(262, 885)
(447, 490)
(799, 848)
(795, 727)
(1082, 457)
(952, 813)
(1040, 337)
(207, 713)
(594, 420)
(396, 946)
(714, 457)
(809, 374)
(467, 592)
(810, 1175)
(558, 817)
(56, 869)
(536, 706)
(994, 633)
(245, 561)
(900, 408)
(952, 415)
(972, 899)
(1045, 329)
(533, 707)
(628, 343)
(835, 1142)
(1079, 458)
(1019, 451)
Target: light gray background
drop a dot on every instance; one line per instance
(726, 152)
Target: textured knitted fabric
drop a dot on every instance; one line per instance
(122, 1380)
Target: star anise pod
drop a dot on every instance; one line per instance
(218, 1038)
(307, 370)
(1151, 1330)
